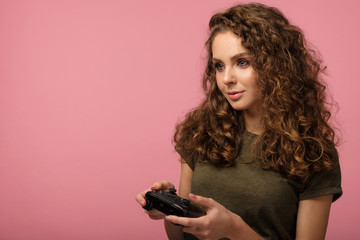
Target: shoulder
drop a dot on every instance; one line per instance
(325, 181)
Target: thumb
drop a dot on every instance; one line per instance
(202, 201)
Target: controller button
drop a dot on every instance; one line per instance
(186, 202)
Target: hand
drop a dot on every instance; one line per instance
(140, 198)
(217, 223)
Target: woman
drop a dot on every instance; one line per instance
(259, 151)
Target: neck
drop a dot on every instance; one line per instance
(254, 121)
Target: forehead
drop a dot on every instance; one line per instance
(227, 44)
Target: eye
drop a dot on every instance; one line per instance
(219, 66)
(243, 62)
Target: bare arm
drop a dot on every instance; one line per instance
(312, 219)
(175, 232)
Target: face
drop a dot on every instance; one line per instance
(235, 76)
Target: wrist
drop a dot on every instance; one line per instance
(236, 227)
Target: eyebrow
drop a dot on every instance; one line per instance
(233, 58)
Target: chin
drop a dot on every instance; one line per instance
(237, 108)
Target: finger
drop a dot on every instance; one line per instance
(162, 185)
(183, 221)
(203, 201)
(140, 198)
(194, 226)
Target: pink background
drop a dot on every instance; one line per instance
(90, 92)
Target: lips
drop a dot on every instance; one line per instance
(234, 95)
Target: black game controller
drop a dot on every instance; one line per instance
(171, 204)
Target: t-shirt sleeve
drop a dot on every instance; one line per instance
(186, 158)
(324, 183)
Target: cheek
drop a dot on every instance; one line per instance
(252, 81)
(218, 82)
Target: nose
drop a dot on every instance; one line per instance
(229, 77)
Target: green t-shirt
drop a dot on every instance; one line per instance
(265, 200)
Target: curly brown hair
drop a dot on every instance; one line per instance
(297, 138)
